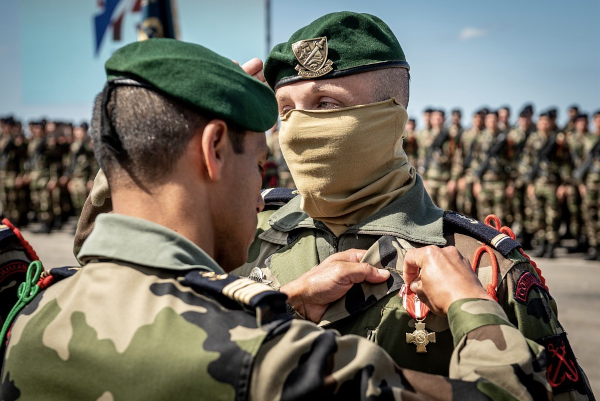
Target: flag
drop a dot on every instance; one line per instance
(158, 20)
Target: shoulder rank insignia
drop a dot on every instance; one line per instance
(482, 232)
(312, 56)
(278, 196)
(240, 289)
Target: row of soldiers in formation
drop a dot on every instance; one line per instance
(534, 175)
(45, 177)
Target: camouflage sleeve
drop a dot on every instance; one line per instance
(97, 202)
(529, 305)
(492, 359)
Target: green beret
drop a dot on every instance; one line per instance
(198, 77)
(332, 46)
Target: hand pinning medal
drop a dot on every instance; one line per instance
(418, 311)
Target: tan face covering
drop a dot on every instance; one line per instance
(347, 163)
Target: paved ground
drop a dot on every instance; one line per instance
(573, 282)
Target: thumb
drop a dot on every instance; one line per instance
(360, 272)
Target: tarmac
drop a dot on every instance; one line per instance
(573, 282)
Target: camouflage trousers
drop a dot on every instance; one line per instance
(465, 201)
(591, 211)
(46, 203)
(492, 200)
(14, 200)
(545, 212)
(438, 190)
(517, 208)
(574, 202)
(78, 192)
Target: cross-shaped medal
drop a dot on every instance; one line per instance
(420, 337)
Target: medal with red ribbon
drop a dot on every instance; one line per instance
(418, 311)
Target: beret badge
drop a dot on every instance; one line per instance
(312, 56)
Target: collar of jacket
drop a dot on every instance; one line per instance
(412, 216)
(142, 242)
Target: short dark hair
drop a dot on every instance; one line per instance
(153, 129)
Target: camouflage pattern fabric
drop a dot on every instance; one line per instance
(288, 243)
(436, 166)
(591, 201)
(553, 171)
(518, 138)
(465, 201)
(174, 333)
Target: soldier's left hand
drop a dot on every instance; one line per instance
(441, 276)
(311, 293)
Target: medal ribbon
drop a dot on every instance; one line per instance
(413, 305)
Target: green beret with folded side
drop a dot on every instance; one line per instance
(332, 46)
(198, 77)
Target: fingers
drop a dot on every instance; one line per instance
(254, 67)
(413, 261)
(351, 255)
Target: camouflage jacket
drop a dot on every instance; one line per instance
(435, 162)
(499, 164)
(464, 154)
(592, 176)
(80, 162)
(151, 316)
(518, 137)
(555, 168)
(288, 243)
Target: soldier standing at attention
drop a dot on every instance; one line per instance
(456, 128)
(80, 168)
(12, 163)
(172, 323)
(437, 152)
(576, 139)
(573, 113)
(546, 167)
(491, 168)
(504, 119)
(465, 202)
(587, 175)
(522, 216)
(36, 175)
(336, 100)
(410, 144)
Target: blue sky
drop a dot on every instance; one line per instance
(462, 53)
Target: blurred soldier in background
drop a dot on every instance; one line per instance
(491, 168)
(437, 152)
(546, 166)
(13, 148)
(504, 118)
(455, 128)
(518, 137)
(460, 166)
(587, 175)
(573, 113)
(426, 121)
(80, 168)
(410, 144)
(576, 140)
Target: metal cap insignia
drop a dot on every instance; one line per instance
(312, 56)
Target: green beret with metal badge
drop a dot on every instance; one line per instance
(335, 45)
(199, 78)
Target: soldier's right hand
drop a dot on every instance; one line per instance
(311, 293)
(441, 276)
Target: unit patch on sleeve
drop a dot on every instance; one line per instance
(563, 372)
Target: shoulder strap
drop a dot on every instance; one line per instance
(277, 197)
(243, 290)
(482, 232)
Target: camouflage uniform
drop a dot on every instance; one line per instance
(289, 243)
(80, 168)
(494, 177)
(411, 147)
(591, 201)
(45, 166)
(436, 165)
(517, 138)
(15, 201)
(465, 202)
(172, 326)
(576, 142)
(554, 170)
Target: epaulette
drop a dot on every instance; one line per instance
(278, 196)
(61, 273)
(482, 232)
(242, 290)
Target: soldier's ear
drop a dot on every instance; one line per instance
(215, 147)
